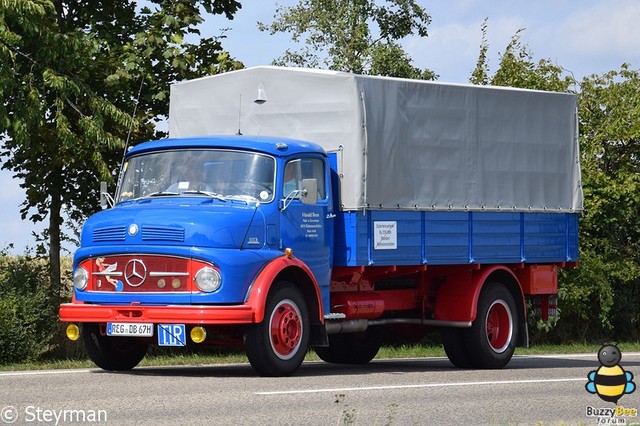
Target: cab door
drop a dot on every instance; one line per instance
(307, 227)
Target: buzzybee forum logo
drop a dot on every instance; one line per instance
(610, 382)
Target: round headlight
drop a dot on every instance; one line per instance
(208, 279)
(80, 278)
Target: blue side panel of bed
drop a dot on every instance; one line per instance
(450, 238)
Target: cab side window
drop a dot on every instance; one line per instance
(305, 168)
(292, 180)
(313, 168)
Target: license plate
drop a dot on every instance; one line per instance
(129, 329)
(172, 335)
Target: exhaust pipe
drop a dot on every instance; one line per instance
(359, 325)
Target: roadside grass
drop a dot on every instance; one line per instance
(229, 357)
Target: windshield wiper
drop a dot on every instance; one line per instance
(207, 193)
(162, 194)
(245, 198)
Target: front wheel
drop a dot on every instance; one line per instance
(277, 346)
(492, 338)
(112, 353)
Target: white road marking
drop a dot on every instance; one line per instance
(625, 355)
(41, 372)
(425, 385)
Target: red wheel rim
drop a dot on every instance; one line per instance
(499, 326)
(285, 329)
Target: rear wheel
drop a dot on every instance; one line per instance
(112, 353)
(454, 346)
(277, 345)
(351, 348)
(492, 338)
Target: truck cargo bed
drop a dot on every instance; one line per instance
(447, 238)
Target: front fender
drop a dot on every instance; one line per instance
(259, 290)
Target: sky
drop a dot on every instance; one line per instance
(583, 36)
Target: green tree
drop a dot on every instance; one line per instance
(609, 276)
(70, 76)
(518, 68)
(356, 36)
(480, 74)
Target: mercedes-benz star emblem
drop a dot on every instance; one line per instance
(135, 272)
(133, 230)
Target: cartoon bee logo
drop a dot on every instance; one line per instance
(610, 381)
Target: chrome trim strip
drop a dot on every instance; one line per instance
(168, 274)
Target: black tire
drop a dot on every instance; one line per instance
(112, 353)
(280, 353)
(491, 340)
(454, 346)
(351, 348)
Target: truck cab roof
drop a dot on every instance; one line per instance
(276, 146)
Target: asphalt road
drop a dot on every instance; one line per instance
(541, 390)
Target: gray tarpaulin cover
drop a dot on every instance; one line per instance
(403, 143)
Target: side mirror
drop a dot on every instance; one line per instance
(106, 200)
(309, 193)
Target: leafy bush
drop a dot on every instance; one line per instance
(29, 327)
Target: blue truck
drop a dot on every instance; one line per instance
(294, 209)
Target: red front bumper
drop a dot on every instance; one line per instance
(84, 312)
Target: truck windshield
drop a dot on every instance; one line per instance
(216, 173)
